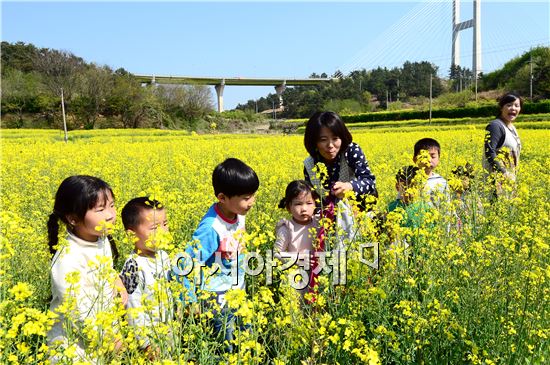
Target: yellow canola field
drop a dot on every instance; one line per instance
(478, 294)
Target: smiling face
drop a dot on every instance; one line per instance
(328, 144)
(150, 221)
(510, 111)
(103, 212)
(302, 208)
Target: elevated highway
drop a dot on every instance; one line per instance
(219, 83)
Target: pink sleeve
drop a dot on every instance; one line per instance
(283, 238)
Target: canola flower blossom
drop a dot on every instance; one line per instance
(471, 288)
(21, 291)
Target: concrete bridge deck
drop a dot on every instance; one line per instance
(220, 82)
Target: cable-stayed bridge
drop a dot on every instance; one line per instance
(435, 22)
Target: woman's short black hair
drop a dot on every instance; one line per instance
(509, 97)
(233, 177)
(330, 120)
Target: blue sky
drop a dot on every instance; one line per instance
(272, 39)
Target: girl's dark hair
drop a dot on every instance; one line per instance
(75, 196)
(295, 189)
(508, 98)
(330, 120)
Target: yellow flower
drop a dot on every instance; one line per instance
(23, 348)
(21, 291)
(73, 278)
(105, 227)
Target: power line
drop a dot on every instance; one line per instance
(431, 20)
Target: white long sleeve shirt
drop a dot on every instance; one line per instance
(94, 290)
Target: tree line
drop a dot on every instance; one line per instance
(369, 90)
(97, 96)
(33, 80)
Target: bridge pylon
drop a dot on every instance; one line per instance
(458, 26)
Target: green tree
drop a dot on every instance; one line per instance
(344, 106)
(19, 56)
(20, 93)
(60, 70)
(376, 83)
(188, 103)
(541, 74)
(132, 103)
(461, 78)
(521, 82)
(415, 79)
(94, 84)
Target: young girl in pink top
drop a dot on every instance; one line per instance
(295, 237)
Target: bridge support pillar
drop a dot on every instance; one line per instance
(458, 26)
(219, 91)
(280, 89)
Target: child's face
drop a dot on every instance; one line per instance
(302, 208)
(103, 212)
(433, 160)
(150, 220)
(238, 204)
(328, 144)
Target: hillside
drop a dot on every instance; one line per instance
(408, 87)
(97, 96)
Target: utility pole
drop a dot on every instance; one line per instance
(476, 84)
(531, 78)
(64, 120)
(430, 99)
(397, 89)
(387, 100)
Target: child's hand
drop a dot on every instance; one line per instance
(121, 290)
(305, 258)
(118, 345)
(193, 309)
(510, 176)
(152, 352)
(339, 189)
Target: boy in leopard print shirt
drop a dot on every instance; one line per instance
(145, 272)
